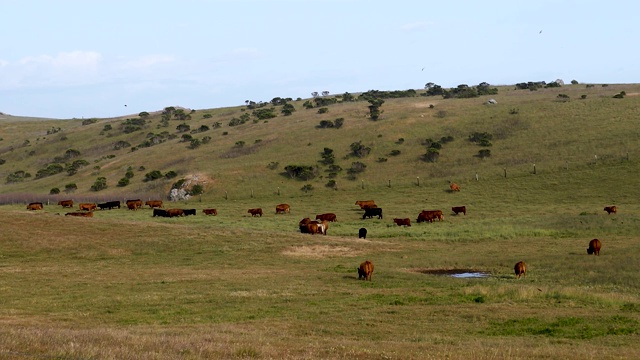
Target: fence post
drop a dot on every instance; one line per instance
(389, 183)
(252, 193)
(226, 195)
(278, 190)
(477, 177)
(362, 184)
(505, 173)
(534, 169)
(418, 180)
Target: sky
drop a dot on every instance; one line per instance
(97, 58)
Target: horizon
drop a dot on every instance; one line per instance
(84, 60)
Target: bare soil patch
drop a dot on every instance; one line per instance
(320, 251)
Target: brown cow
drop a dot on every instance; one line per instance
(154, 203)
(174, 212)
(459, 209)
(134, 204)
(594, 247)
(430, 215)
(610, 209)
(88, 206)
(328, 216)
(66, 203)
(213, 212)
(313, 228)
(282, 208)
(454, 187)
(520, 269)
(255, 212)
(323, 227)
(35, 206)
(303, 225)
(401, 222)
(80, 213)
(365, 270)
(363, 203)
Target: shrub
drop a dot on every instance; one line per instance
(195, 143)
(89, 121)
(325, 124)
(123, 182)
(206, 139)
(574, 82)
(273, 165)
(432, 155)
(400, 141)
(514, 111)
(331, 184)
(207, 116)
(239, 144)
(51, 169)
(129, 174)
(356, 168)
(196, 189)
(301, 172)
(99, 184)
(183, 127)
(481, 139)
(54, 191)
(620, 95)
(69, 188)
(264, 114)
(120, 145)
(583, 97)
(307, 188)
(446, 139)
(186, 138)
(394, 153)
(107, 127)
(153, 175)
(338, 123)
(359, 150)
(381, 159)
(484, 153)
(170, 174)
(323, 110)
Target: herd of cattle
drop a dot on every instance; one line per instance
(307, 226)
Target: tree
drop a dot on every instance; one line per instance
(99, 184)
(123, 182)
(287, 109)
(359, 150)
(374, 108)
(325, 93)
(69, 188)
(54, 191)
(328, 157)
(144, 115)
(314, 94)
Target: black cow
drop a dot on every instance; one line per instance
(362, 233)
(371, 212)
(109, 205)
(188, 212)
(160, 212)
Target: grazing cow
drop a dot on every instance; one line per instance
(134, 204)
(610, 209)
(363, 203)
(80, 213)
(87, 206)
(66, 203)
(188, 212)
(154, 203)
(400, 222)
(594, 247)
(109, 205)
(213, 212)
(160, 212)
(324, 227)
(303, 225)
(430, 215)
(520, 269)
(362, 233)
(365, 270)
(328, 216)
(454, 187)
(282, 208)
(255, 212)
(459, 209)
(371, 212)
(35, 206)
(174, 212)
(312, 228)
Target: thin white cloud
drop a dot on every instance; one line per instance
(86, 60)
(416, 26)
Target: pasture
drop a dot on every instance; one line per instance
(125, 285)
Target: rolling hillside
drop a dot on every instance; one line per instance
(573, 128)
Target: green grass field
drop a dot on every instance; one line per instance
(126, 285)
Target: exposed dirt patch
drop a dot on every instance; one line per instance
(320, 251)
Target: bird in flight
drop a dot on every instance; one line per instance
(422, 69)
(540, 32)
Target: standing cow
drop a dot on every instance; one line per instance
(520, 269)
(365, 270)
(362, 233)
(371, 212)
(401, 222)
(66, 203)
(459, 209)
(154, 203)
(255, 212)
(610, 209)
(282, 208)
(35, 206)
(213, 212)
(454, 187)
(594, 247)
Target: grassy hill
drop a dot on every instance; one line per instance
(125, 285)
(528, 127)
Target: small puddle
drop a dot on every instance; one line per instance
(456, 273)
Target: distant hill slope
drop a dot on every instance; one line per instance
(558, 129)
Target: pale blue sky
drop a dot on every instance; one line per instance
(85, 58)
